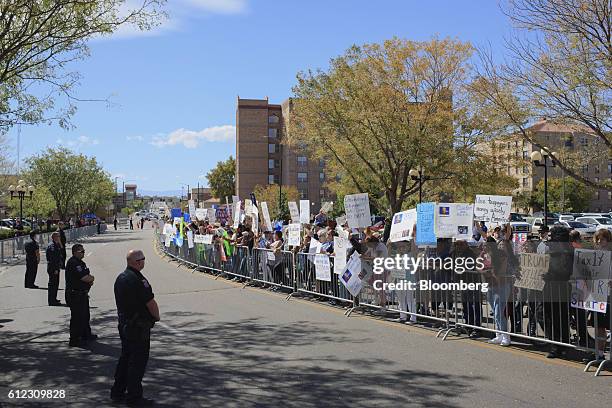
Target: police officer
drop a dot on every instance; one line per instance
(137, 311)
(78, 282)
(54, 264)
(32, 251)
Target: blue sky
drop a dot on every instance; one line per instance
(174, 90)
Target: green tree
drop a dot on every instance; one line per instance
(74, 181)
(384, 109)
(564, 195)
(271, 195)
(38, 41)
(222, 179)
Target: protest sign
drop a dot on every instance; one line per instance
(341, 221)
(327, 206)
(266, 216)
(293, 210)
(190, 239)
(402, 224)
(322, 268)
(192, 209)
(200, 214)
(426, 217)
(590, 277)
(492, 208)
(255, 218)
(248, 206)
(341, 246)
(294, 234)
(533, 267)
(357, 208)
(305, 211)
(237, 213)
(454, 220)
(350, 277)
(212, 215)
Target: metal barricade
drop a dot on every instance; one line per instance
(306, 280)
(273, 268)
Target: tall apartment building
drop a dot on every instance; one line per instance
(514, 158)
(262, 159)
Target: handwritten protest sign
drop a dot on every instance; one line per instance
(357, 208)
(192, 209)
(454, 220)
(590, 277)
(402, 225)
(200, 214)
(237, 213)
(533, 267)
(327, 206)
(341, 246)
(305, 211)
(426, 231)
(266, 216)
(294, 234)
(295, 213)
(492, 208)
(190, 239)
(322, 268)
(212, 215)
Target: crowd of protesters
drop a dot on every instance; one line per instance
(499, 313)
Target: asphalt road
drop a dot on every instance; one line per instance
(221, 345)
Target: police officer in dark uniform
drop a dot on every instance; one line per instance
(78, 282)
(54, 264)
(32, 251)
(137, 311)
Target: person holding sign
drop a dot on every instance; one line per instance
(602, 240)
(504, 265)
(277, 264)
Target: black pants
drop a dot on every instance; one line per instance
(472, 308)
(132, 363)
(79, 315)
(556, 321)
(53, 286)
(30, 275)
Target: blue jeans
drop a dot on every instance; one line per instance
(498, 297)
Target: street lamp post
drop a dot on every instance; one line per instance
(541, 159)
(20, 191)
(418, 175)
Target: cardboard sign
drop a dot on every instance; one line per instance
(402, 224)
(293, 210)
(236, 214)
(322, 267)
(493, 209)
(454, 220)
(266, 216)
(248, 206)
(533, 267)
(294, 234)
(305, 211)
(357, 208)
(212, 215)
(591, 274)
(192, 208)
(200, 214)
(351, 276)
(341, 246)
(190, 239)
(426, 224)
(327, 207)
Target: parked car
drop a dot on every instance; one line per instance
(586, 231)
(597, 222)
(566, 217)
(537, 222)
(606, 215)
(519, 224)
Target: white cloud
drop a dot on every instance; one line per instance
(177, 12)
(134, 138)
(79, 142)
(191, 138)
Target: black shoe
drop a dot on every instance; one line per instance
(142, 402)
(56, 303)
(31, 287)
(91, 337)
(76, 343)
(117, 399)
(474, 334)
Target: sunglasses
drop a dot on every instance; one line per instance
(140, 259)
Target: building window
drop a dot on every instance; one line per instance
(302, 160)
(273, 148)
(526, 169)
(596, 169)
(597, 195)
(525, 154)
(596, 179)
(273, 119)
(272, 132)
(322, 163)
(525, 182)
(609, 195)
(303, 194)
(270, 178)
(273, 164)
(322, 193)
(569, 142)
(302, 177)
(321, 176)
(609, 167)
(585, 168)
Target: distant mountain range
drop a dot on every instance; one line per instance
(163, 193)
